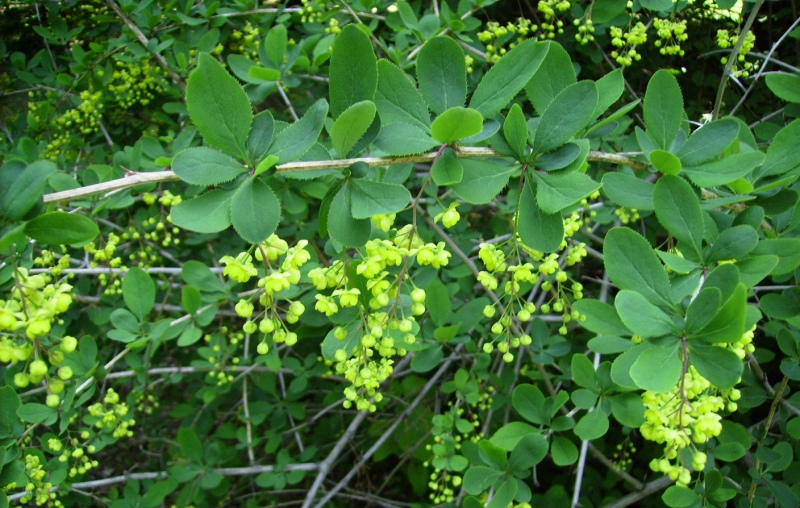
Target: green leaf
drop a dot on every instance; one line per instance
(719, 365)
(190, 444)
(787, 250)
(442, 74)
(263, 73)
(368, 198)
(621, 366)
(482, 180)
(708, 141)
(61, 228)
(628, 409)
(641, 316)
(275, 44)
(606, 344)
(728, 324)
(529, 451)
(677, 496)
(9, 403)
(265, 165)
(563, 156)
(592, 425)
(723, 171)
(260, 136)
(632, 264)
(563, 451)
(568, 112)
(678, 210)
(554, 75)
(657, 5)
(403, 139)
(504, 494)
(351, 126)
(206, 166)
(515, 131)
(156, 493)
(600, 317)
(663, 108)
(255, 210)
(677, 263)
(342, 226)
(555, 192)
(583, 372)
(218, 106)
(292, 142)
(785, 86)
(657, 369)
(508, 76)
(26, 189)
(628, 191)
(609, 87)
(537, 229)
(447, 169)
(397, 99)
(779, 306)
(702, 309)
(35, 413)
(437, 302)
(139, 292)
(207, 213)
(507, 436)
(753, 269)
(427, 359)
(492, 454)
(665, 162)
(733, 243)
(353, 74)
(479, 478)
(782, 154)
(456, 123)
(528, 401)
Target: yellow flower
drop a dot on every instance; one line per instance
(239, 269)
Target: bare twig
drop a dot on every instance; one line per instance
(465, 152)
(726, 73)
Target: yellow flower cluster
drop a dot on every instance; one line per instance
(670, 36)
(519, 278)
(77, 454)
(688, 415)
(281, 271)
(626, 43)
(496, 36)
(136, 83)
(727, 39)
(111, 415)
(37, 489)
(386, 321)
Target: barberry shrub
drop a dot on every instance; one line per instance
(385, 253)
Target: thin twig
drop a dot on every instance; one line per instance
(465, 152)
(634, 497)
(726, 73)
(433, 381)
(325, 465)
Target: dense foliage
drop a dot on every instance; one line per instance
(383, 253)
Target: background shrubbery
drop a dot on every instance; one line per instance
(562, 271)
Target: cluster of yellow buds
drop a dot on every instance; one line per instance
(386, 319)
(727, 39)
(496, 36)
(281, 271)
(37, 489)
(136, 83)
(626, 43)
(111, 415)
(670, 35)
